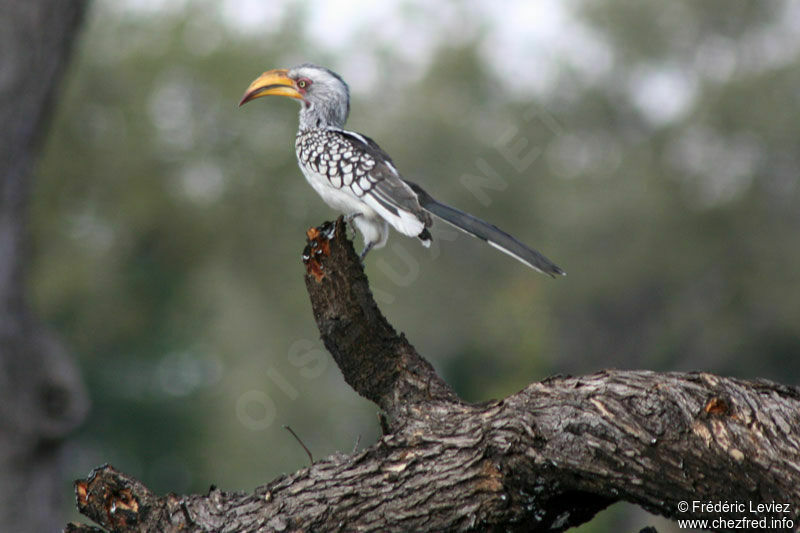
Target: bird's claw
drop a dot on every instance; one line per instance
(348, 219)
(366, 250)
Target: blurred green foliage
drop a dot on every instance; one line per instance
(661, 171)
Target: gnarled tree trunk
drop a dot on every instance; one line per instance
(546, 458)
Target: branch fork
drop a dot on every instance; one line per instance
(546, 458)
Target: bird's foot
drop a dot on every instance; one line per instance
(348, 219)
(367, 248)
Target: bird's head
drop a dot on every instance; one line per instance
(323, 95)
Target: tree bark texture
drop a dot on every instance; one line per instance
(544, 459)
(41, 394)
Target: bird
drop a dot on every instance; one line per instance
(354, 175)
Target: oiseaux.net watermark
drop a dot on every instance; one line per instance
(746, 515)
(257, 409)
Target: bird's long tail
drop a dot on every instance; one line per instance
(487, 232)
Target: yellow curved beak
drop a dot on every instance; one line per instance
(273, 81)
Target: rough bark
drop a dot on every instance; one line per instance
(546, 458)
(41, 394)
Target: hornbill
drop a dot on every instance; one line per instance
(355, 176)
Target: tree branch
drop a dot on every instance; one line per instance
(546, 458)
(378, 363)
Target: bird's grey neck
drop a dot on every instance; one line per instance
(320, 116)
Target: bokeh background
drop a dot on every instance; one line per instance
(650, 149)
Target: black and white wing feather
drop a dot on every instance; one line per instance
(354, 161)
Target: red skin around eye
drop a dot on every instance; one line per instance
(307, 85)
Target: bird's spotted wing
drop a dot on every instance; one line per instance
(354, 161)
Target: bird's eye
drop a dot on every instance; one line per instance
(303, 83)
